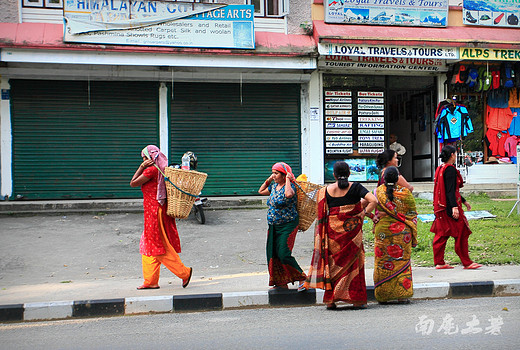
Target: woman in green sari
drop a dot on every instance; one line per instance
(395, 235)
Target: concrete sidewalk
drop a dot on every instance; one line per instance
(62, 266)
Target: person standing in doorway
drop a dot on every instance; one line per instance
(160, 243)
(450, 220)
(396, 146)
(282, 219)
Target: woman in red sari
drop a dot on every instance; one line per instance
(160, 242)
(338, 262)
(450, 220)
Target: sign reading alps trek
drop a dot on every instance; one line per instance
(417, 13)
(159, 23)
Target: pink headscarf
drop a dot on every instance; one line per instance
(162, 162)
(282, 167)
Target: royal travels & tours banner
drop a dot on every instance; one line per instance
(417, 13)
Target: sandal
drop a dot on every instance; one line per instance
(473, 266)
(443, 267)
(187, 280)
(144, 286)
(331, 306)
(301, 287)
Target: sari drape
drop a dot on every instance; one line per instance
(395, 235)
(338, 261)
(283, 267)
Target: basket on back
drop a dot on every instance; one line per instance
(307, 193)
(188, 184)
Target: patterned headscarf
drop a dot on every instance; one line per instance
(282, 167)
(154, 153)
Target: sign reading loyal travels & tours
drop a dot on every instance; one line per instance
(418, 13)
(494, 13)
(159, 23)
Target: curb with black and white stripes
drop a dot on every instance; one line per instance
(221, 301)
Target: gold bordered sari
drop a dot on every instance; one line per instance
(338, 262)
(395, 235)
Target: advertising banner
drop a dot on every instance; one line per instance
(417, 13)
(492, 13)
(230, 26)
(409, 52)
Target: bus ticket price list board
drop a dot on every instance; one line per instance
(354, 129)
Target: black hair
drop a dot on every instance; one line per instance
(342, 172)
(446, 153)
(391, 176)
(384, 157)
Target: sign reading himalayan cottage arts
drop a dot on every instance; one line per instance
(417, 13)
(494, 13)
(159, 23)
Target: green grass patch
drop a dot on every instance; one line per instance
(493, 241)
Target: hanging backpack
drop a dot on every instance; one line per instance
(495, 78)
(508, 75)
(471, 81)
(484, 79)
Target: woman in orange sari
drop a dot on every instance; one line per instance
(395, 235)
(160, 242)
(338, 262)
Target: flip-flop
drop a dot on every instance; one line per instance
(187, 280)
(147, 287)
(301, 287)
(473, 266)
(444, 267)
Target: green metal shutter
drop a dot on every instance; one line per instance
(237, 132)
(75, 139)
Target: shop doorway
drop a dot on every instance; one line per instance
(411, 110)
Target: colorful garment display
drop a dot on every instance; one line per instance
(498, 118)
(496, 140)
(395, 235)
(453, 122)
(514, 127)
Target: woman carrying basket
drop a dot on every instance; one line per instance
(338, 261)
(160, 243)
(282, 218)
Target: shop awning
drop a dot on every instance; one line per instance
(47, 36)
(463, 36)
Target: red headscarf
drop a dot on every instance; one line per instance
(282, 167)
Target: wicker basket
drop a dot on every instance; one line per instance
(307, 206)
(189, 182)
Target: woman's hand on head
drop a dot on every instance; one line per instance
(290, 176)
(146, 163)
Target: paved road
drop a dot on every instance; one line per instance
(478, 323)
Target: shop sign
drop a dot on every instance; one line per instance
(106, 22)
(396, 52)
(371, 113)
(338, 119)
(338, 99)
(338, 131)
(338, 106)
(365, 131)
(338, 138)
(383, 63)
(489, 54)
(493, 13)
(417, 13)
(371, 150)
(338, 112)
(339, 151)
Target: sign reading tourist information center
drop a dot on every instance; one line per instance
(158, 23)
(419, 13)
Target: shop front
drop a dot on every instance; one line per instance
(381, 79)
(77, 110)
